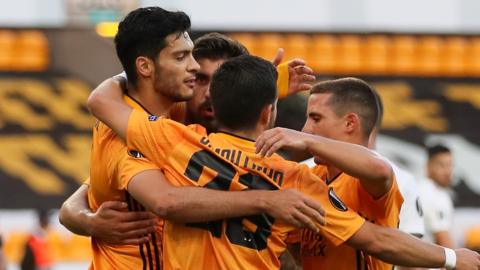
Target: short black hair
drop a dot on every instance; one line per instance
(437, 149)
(241, 87)
(142, 33)
(216, 46)
(379, 103)
(352, 95)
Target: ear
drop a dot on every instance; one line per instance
(145, 66)
(266, 114)
(352, 123)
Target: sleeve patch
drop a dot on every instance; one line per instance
(152, 118)
(335, 201)
(135, 154)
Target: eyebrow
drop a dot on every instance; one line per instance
(314, 114)
(187, 51)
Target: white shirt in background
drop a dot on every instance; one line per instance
(437, 208)
(411, 213)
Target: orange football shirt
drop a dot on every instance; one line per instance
(384, 211)
(105, 184)
(188, 157)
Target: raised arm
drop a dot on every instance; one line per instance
(198, 204)
(374, 172)
(293, 76)
(107, 105)
(111, 223)
(398, 248)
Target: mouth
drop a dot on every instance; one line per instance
(190, 82)
(206, 110)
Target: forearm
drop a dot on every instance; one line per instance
(398, 248)
(75, 212)
(107, 105)
(195, 204)
(372, 170)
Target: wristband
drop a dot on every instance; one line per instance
(450, 259)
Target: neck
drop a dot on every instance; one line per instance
(332, 172)
(249, 134)
(154, 102)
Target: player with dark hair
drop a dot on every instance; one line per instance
(113, 226)
(343, 110)
(155, 49)
(156, 52)
(435, 196)
(210, 51)
(227, 161)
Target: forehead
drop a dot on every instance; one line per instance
(209, 66)
(442, 157)
(178, 42)
(319, 102)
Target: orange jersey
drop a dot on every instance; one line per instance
(106, 185)
(188, 157)
(383, 211)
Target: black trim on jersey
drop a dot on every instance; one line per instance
(329, 181)
(133, 205)
(234, 135)
(361, 257)
(139, 104)
(132, 208)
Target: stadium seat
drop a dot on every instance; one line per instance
(322, 54)
(473, 57)
(31, 51)
(429, 51)
(404, 55)
(453, 58)
(377, 51)
(297, 46)
(7, 45)
(350, 56)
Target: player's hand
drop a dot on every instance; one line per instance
(300, 76)
(273, 139)
(278, 57)
(295, 208)
(467, 259)
(113, 224)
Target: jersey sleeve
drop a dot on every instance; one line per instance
(342, 222)
(131, 164)
(152, 136)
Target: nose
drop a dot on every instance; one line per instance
(307, 127)
(207, 92)
(193, 65)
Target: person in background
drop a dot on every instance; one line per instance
(434, 195)
(411, 213)
(38, 251)
(3, 262)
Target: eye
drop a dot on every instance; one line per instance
(315, 118)
(180, 56)
(201, 79)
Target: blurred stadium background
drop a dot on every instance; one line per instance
(422, 56)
